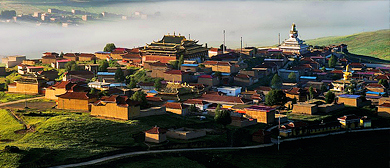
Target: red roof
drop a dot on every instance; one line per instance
(375, 85)
(294, 91)
(64, 60)
(215, 97)
(195, 101)
(86, 55)
(221, 63)
(385, 105)
(156, 130)
(61, 84)
(242, 76)
(174, 105)
(76, 95)
(337, 72)
(206, 76)
(34, 67)
(176, 72)
(213, 49)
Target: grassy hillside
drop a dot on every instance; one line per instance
(58, 136)
(375, 44)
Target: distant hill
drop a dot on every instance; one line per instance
(375, 44)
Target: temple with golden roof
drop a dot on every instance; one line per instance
(172, 47)
(294, 45)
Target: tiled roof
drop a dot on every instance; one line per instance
(86, 55)
(263, 88)
(374, 85)
(385, 105)
(206, 76)
(156, 130)
(242, 76)
(76, 95)
(61, 84)
(174, 105)
(176, 72)
(294, 91)
(215, 97)
(195, 101)
(220, 63)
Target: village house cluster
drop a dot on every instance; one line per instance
(66, 18)
(189, 78)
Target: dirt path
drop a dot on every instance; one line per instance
(20, 101)
(118, 156)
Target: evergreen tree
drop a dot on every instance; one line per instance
(276, 82)
(103, 65)
(311, 92)
(119, 76)
(71, 66)
(223, 117)
(140, 97)
(332, 61)
(132, 83)
(292, 77)
(218, 108)
(181, 61)
(109, 47)
(329, 97)
(275, 97)
(157, 84)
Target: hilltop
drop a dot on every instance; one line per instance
(375, 44)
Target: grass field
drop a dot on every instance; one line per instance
(376, 44)
(8, 97)
(364, 149)
(60, 136)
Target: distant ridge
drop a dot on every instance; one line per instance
(375, 44)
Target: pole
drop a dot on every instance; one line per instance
(279, 130)
(223, 47)
(241, 44)
(279, 38)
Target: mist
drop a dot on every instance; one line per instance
(257, 22)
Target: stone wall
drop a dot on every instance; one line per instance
(74, 104)
(305, 108)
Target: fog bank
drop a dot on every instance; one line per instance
(257, 22)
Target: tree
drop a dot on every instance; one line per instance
(329, 97)
(292, 77)
(109, 47)
(275, 97)
(61, 54)
(201, 66)
(132, 83)
(175, 64)
(193, 108)
(218, 74)
(218, 108)
(384, 82)
(157, 84)
(71, 66)
(294, 100)
(181, 61)
(140, 97)
(276, 82)
(311, 92)
(332, 61)
(119, 76)
(223, 117)
(113, 63)
(323, 88)
(103, 65)
(8, 14)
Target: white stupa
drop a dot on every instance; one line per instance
(294, 45)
